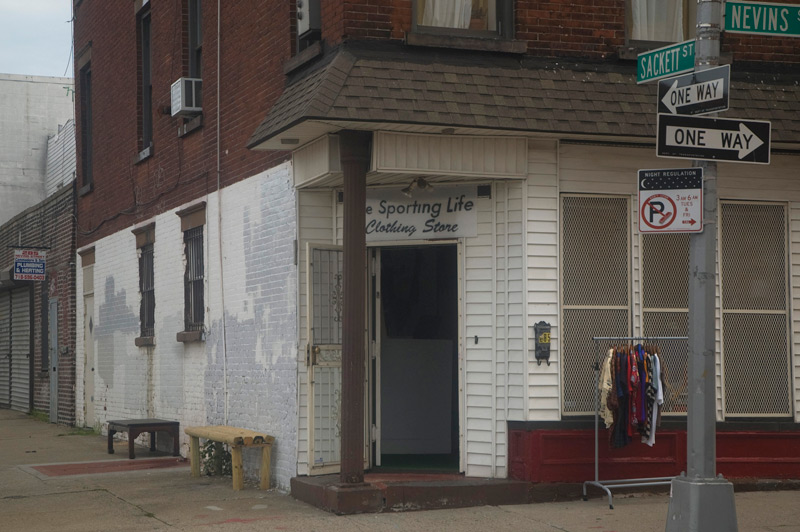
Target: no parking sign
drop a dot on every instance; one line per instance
(671, 200)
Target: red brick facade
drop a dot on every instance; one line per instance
(257, 38)
(254, 44)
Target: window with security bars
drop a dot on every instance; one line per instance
(665, 309)
(194, 305)
(753, 279)
(147, 290)
(595, 264)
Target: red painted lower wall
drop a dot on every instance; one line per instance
(568, 455)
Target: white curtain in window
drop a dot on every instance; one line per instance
(447, 13)
(657, 20)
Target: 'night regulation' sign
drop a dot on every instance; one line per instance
(29, 264)
(444, 212)
(671, 200)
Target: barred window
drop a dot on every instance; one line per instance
(194, 305)
(147, 310)
(145, 242)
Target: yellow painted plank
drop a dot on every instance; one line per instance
(194, 455)
(230, 435)
(236, 467)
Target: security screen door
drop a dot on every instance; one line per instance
(324, 357)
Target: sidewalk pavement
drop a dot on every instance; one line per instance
(169, 499)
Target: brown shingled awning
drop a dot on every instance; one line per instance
(395, 84)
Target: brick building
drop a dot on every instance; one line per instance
(37, 318)
(493, 147)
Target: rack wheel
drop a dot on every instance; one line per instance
(611, 506)
(585, 498)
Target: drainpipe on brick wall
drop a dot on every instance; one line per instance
(219, 225)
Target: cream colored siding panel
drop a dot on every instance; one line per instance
(479, 424)
(636, 266)
(591, 169)
(480, 367)
(794, 291)
(315, 160)
(509, 399)
(479, 401)
(780, 183)
(541, 270)
(478, 319)
(450, 155)
(479, 286)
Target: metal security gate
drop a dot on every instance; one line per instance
(20, 350)
(324, 357)
(665, 309)
(5, 349)
(595, 262)
(754, 284)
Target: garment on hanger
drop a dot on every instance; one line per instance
(631, 391)
(604, 389)
(658, 400)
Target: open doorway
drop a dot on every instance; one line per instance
(416, 370)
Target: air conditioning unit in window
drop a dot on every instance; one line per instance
(308, 17)
(187, 97)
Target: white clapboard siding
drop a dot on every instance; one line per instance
(718, 332)
(779, 183)
(480, 371)
(60, 169)
(794, 272)
(509, 365)
(636, 270)
(497, 157)
(315, 160)
(316, 218)
(591, 169)
(542, 270)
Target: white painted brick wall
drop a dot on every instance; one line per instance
(245, 373)
(31, 109)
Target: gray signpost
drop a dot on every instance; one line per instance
(699, 500)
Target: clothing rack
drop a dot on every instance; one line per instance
(608, 485)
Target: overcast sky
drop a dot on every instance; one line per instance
(36, 37)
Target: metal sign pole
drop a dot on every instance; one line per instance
(700, 501)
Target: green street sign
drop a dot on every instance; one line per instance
(665, 62)
(762, 19)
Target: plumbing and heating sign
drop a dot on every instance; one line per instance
(444, 212)
(29, 264)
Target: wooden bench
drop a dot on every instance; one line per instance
(134, 427)
(236, 438)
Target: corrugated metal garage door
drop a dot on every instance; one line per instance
(20, 350)
(5, 349)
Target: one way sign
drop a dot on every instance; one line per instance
(694, 137)
(695, 93)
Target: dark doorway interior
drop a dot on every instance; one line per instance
(419, 358)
